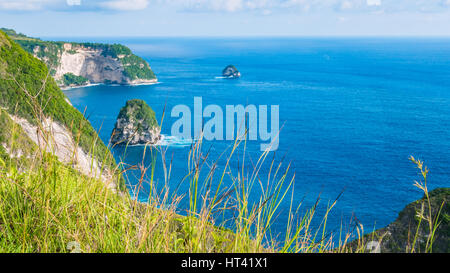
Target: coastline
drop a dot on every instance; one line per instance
(167, 140)
(65, 88)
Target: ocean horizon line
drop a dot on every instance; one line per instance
(244, 37)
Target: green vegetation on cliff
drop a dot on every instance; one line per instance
(52, 208)
(71, 79)
(44, 50)
(138, 110)
(422, 226)
(410, 232)
(25, 83)
(14, 35)
(134, 67)
(21, 149)
(136, 124)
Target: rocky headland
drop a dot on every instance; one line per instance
(136, 124)
(78, 64)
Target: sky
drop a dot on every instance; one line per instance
(247, 18)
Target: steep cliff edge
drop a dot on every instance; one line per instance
(136, 124)
(399, 236)
(35, 103)
(76, 64)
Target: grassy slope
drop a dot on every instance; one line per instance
(20, 70)
(46, 208)
(18, 143)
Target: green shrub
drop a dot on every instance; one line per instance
(72, 79)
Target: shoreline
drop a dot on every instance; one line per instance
(65, 88)
(177, 143)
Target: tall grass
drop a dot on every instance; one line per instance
(51, 207)
(425, 214)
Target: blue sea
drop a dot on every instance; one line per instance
(353, 111)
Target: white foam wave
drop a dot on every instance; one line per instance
(174, 141)
(80, 86)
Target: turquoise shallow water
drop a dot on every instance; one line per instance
(353, 110)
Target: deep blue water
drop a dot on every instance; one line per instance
(353, 110)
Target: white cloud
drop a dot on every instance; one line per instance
(286, 5)
(261, 6)
(346, 5)
(208, 5)
(73, 2)
(24, 4)
(125, 4)
(374, 2)
(76, 5)
(308, 5)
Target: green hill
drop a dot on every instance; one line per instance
(25, 84)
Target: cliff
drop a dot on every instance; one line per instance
(75, 64)
(43, 115)
(399, 235)
(136, 124)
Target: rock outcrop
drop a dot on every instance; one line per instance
(231, 72)
(77, 64)
(97, 67)
(136, 124)
(399, 235)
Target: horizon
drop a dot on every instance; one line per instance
(243, 37)
(232, 18)
(259, 36)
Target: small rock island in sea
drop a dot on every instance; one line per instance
(136, 124)
(231, 72)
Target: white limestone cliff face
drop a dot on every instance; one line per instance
(91, 64)
(58, 140)
(126, 132)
